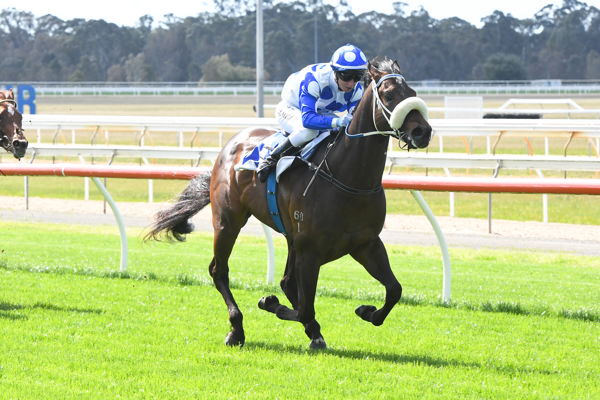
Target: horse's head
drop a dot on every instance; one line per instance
(11, 120)
(396, 106)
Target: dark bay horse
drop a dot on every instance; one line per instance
(11, 125)
(327, 213)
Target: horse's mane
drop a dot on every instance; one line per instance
(382, 64)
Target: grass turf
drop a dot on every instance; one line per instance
(521, 324)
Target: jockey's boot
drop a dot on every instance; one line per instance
(266, 165)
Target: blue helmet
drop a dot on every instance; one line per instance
(348, 57)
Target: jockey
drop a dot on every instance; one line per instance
(310, 98)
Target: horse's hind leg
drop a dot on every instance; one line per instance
(300, 285)
(288, 283)
(290, 289)
(375, 260)
(219, 270)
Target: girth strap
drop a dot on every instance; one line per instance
(272, 201)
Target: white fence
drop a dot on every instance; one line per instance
(431, 87)
(568, 128)
(493, 130)
(576, 186)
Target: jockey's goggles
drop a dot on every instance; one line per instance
(348, 76)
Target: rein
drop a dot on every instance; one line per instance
(335, 182)
(331, 179)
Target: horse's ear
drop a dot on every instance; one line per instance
(374, 72)
(7, 94)
(396, 65)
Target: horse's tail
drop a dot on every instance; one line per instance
(175, 220)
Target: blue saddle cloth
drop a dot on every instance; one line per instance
(262, 150)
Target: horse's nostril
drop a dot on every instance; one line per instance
(20, 144)
(421, 136)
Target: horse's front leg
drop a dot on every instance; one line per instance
(375, 260)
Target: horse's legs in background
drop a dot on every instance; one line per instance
(219, 270)
(375, 260)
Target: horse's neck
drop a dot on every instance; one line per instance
(359, 162)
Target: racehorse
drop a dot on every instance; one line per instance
(327, 210)
(11, 123)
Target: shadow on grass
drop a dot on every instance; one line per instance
(392, 358)
(8, 310)
(360, 355)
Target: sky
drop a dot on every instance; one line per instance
(127, 12)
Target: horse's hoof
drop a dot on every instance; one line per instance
(318, 344)
(267, 303)
(365, 312)
(233, 339)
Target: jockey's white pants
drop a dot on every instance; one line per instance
(290, 120)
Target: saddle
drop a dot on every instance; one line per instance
(263, 149)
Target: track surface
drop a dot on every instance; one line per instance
(399, 229)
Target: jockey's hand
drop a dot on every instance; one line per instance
(343, 121)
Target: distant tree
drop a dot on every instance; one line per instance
(399, 8)
(145, 24)
(116, 73)
(504, 67)
(137, 69)
(77, 76)
(167, 52)
(220, 69)
(235, 8)
(592, 70)
(558, 42)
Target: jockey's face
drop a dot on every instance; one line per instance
(346, 80)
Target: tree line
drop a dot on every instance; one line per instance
(558, 42)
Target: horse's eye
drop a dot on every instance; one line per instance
(388, 95)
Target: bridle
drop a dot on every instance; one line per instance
(390, 117)
(395, 118)
(9, 101)
(378, 105)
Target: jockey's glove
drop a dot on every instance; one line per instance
(342, 121)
